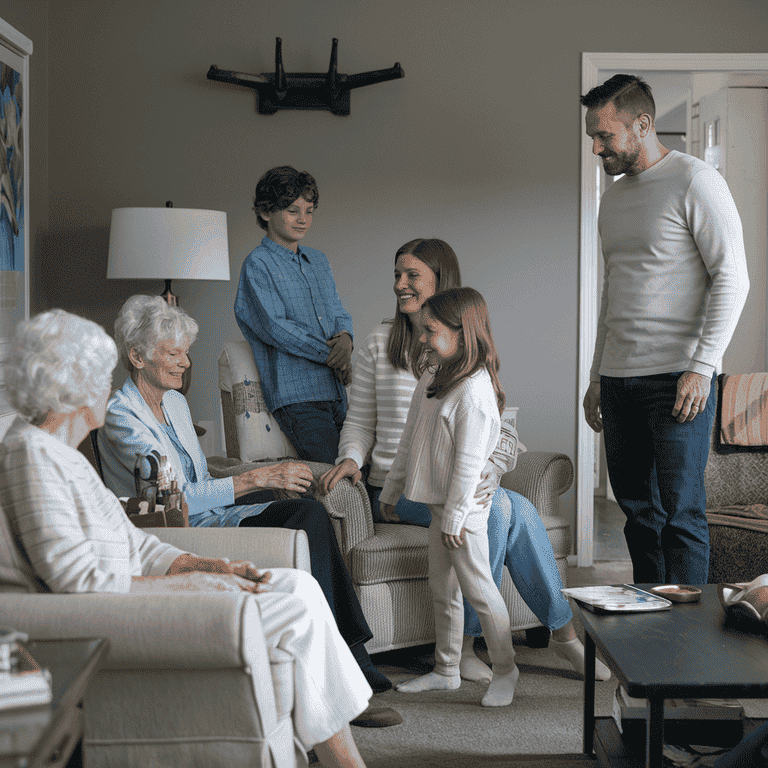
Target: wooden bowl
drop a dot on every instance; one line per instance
(678, 593)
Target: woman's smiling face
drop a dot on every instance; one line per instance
(415, 282)
(166, 368)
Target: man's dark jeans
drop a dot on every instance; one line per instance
(656, 467)
(313, 428)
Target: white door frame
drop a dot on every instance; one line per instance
(591, 63)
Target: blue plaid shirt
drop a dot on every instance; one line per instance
(287, 307)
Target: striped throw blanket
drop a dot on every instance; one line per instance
(743, 411)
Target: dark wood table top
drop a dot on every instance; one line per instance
(692, 650)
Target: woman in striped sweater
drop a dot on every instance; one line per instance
(383, 383)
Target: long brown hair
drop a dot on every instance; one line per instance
(464, 310)
(402, 349)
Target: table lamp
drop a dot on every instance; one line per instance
(168, 244)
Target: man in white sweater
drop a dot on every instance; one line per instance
(675, 285)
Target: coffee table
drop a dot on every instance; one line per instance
(690, 651)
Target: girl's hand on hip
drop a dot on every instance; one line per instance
(347, 468)
(451, 541)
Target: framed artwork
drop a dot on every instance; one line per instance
(15, 50)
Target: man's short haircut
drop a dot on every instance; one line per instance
(628, 93)
(279, 187)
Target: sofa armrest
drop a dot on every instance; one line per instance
(265, 547)
(542, 477)
(146, 631)
(347, 504)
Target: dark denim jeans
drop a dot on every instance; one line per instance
(313, 428)
(656, 466)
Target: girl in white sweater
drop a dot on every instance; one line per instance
(452, 428)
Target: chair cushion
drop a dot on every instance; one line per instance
(398, 552)
(258, 435)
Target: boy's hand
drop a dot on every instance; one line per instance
(340, 356)
(451, 541)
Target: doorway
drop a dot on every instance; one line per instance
(596, 67)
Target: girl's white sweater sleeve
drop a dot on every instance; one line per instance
(474, 430)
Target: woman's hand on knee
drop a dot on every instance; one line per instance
(287, 475)
(387, 511)
(347, 468)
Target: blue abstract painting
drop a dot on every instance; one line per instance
(11, 171)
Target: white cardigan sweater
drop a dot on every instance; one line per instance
(444, 448)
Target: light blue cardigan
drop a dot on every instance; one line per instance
(132, 428)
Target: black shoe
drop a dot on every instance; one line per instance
(377, 717)
(376, 680)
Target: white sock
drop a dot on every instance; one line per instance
(432, 681)
(573, 652)
(501, 691)
(472, 668)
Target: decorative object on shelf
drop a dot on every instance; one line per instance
(168, 244)
(304, 90)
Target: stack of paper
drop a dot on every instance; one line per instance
(26, 684)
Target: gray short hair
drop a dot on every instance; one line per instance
(144, 322)
(60, 362)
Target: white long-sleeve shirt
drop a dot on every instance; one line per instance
(675, 271)
(444, 448)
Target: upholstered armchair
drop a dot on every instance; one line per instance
(736, 482)
(388, 563)
(187, 680)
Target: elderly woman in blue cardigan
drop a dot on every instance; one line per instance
(147, 414)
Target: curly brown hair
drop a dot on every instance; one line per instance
(281, 186)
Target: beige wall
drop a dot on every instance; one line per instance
(478, 144)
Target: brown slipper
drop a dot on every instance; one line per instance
(378, 717)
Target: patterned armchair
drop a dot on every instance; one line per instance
(737, 509)
(388, 563)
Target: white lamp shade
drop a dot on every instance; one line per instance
(168, 243)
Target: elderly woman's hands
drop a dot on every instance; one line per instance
(288, 475)
(190, 573)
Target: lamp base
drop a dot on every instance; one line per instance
(169, 295)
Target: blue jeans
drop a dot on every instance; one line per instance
(313, 428)
(516, 537)
(656, 466)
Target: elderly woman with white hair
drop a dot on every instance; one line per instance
(73, 535)
(147, 414)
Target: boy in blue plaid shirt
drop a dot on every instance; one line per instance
(290, 313)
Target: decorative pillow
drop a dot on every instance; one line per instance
(258, 435)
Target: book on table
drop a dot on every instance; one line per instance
(25, 684)
(623, 598)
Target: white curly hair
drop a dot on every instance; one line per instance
(60, 362)
(144, 322)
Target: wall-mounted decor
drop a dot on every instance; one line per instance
(304, 90)
(15, 50)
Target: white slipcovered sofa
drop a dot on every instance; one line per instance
(187, 680)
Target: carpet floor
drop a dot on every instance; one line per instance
(450, 729)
